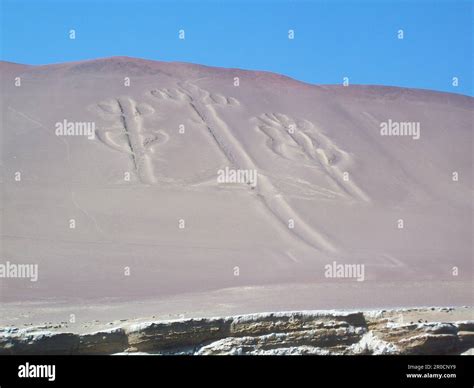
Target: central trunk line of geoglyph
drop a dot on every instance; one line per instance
(270, 196)
(133, 124)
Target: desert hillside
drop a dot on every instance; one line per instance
(128, 206)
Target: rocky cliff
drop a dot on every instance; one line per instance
(311, 332)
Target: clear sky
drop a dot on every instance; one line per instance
(333, 39)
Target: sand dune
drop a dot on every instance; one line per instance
(152, 224)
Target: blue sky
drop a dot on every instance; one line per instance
(333, 39)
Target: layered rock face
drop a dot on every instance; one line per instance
(318, 332)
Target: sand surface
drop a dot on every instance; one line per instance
(321, 161)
